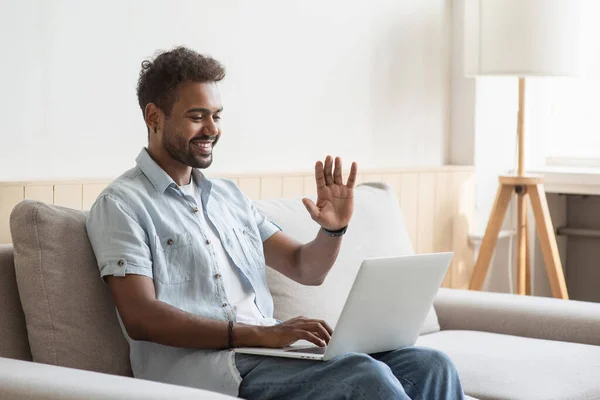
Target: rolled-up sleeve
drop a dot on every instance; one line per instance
(120, 244)
(266, 228)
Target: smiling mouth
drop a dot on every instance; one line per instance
(205, 147)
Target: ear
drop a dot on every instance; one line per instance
(153, 116)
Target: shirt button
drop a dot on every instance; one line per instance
(170, 242)
(121, 262)
(196, 209)
(224, 305)
(207, 241)
(217, 276)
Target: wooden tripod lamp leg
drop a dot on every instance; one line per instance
(521, 243)
(528, 284)
(490, 237)
(539, 204)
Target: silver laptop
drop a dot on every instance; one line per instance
(385, 310)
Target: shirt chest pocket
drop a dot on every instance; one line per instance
(174, 263)
(250, 247)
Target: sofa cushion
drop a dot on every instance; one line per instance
(377, 230)
(496, 366)
(71, 318)
(13, 331)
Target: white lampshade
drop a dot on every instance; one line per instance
(522, 37)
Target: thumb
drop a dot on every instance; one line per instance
(311, 207)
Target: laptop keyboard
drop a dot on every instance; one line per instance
(309, 350)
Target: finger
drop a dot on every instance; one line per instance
(328, 170)
(337, 173)
(311, 337)
(311, 207)
(326, 325)
(352, 176)
(317, 324)
(317, 328)
(319, 175)
(320, 330)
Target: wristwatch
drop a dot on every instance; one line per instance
(336, 233)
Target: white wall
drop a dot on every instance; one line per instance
(365, 80)
(462, 95)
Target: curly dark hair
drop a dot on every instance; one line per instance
(159, 78)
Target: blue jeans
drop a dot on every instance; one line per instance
(409, 373)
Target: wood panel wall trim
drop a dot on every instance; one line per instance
(82, 181)
(232, 175)
(437, 203)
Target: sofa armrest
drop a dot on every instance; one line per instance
(34, 381)
(527, 316)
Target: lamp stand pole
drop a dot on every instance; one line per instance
(523, 186)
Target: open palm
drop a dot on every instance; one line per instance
(335, 200)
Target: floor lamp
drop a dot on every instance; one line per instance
(522, 38)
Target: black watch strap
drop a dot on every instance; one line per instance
(335, 233)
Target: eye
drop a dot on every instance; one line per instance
(217, 117)
(196, 118)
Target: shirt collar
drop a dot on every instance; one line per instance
(159, 178)
(199, 179)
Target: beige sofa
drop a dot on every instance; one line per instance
(56, 312)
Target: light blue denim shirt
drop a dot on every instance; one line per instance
(143, 224)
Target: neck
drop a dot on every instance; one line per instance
(180, 173)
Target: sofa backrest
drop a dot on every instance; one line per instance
(13, 331)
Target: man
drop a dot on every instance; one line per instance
(184, 257)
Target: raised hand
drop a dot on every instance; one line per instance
(335, 200)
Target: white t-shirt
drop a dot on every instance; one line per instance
(240, 297)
